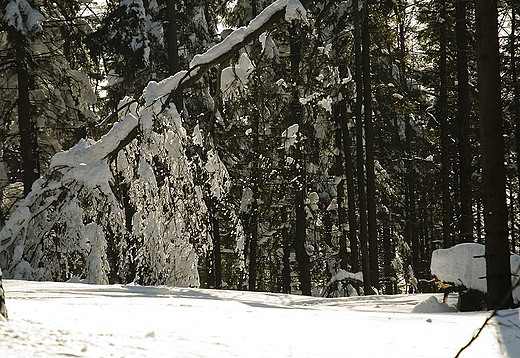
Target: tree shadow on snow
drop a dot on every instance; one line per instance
(508, 330)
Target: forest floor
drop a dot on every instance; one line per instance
(80, 320)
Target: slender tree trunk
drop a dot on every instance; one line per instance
(463, 116)
(363, 223)
(3, 309)
(216, 255)
(286, 271)
(498, 268)
(514, 71)
(341, 190)
(412, 215)
(351, 199)
(387, 250)
(443, 119)
(301, 222)
(27, 139)
(369, 139)
(172, 45)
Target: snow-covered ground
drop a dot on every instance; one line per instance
(79, 320)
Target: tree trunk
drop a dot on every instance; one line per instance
(463, 116)
(3, 309)
(341, 190)
(172, 45)
(498, 268)
(363, 236)
(514, 71)
(27, 139)
(301, 222)
(369, 140)
(216, 256)
(351, 200)
(443, 119)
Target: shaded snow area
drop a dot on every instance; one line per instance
(465, 265)
(80, 320)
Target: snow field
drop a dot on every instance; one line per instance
(79, 320)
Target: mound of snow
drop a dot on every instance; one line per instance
(465, 265)
(431, 305)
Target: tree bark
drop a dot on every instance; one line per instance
(351, 200)
(369, 140)
(443, 119)
(363, 228)
(342, 219)
(27, 137)
(172, 46)
(301, 222)
(463, 117)
(516, 103)
(498, 268)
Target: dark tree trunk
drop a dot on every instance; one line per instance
(514, 71)
(172, 45)
(443, 119)
(286, 271)
(411, 202)
(3, 309)
(387, 250)
(463, 116)
(216, 256)
(253, 247)
(363, 223)
(27, 137)
(498, 268)
(369, 140)
(301, 222)
(351, 200)
(341, 190)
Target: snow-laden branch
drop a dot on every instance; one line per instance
(201, 64)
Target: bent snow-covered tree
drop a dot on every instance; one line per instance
(123, 208)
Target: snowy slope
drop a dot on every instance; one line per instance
(79, 320)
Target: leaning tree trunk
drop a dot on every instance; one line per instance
(498, 268)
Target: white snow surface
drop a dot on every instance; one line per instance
(82, 320)
(465, 264)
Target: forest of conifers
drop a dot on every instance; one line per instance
(146, 141)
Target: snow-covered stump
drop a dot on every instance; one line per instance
(3, 309)
(462, 269)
